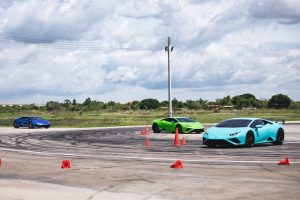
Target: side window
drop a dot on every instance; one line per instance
(173, 120)
(257, 122)
(167, 119)
(170, 120)
(266, 122)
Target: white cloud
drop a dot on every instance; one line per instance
(111, 50)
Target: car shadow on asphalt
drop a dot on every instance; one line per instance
(238, 146)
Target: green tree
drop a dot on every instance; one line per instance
(191, 104)
(176, 103)
(53, 106)
(245, 100)
(225, 101)
(279, 101)
(67, 103)
(87, 101)
(149, 104)
(164, 104)
(74, 102)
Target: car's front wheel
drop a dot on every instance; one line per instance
(211, 145)
(249, 142)
(16, 125)
(155, 128)
(279, 137)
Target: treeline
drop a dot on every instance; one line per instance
(278, 101)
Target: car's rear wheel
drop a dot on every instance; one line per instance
(30, 125)
(249, 142)
(199, 130)
(179, 127)
(155, 128)
(279, 137)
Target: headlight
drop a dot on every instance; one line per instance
(233, 134)
(205, 133)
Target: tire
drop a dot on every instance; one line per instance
(211, 145)
(15, 125)
(199, 131)
(155, 128)
(179, 128)
(249, 141)
(279, 137)
(30, 125)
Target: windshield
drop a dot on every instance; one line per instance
(35, 118)
(184, 119)
(234, 123)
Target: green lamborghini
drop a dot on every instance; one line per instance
(184, 125)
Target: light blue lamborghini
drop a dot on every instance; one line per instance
(245, 132)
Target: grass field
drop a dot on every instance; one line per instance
(140, 117)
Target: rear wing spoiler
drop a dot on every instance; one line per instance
(280, 121)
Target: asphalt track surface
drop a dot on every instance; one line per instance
(114, 164)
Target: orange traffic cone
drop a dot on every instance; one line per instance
(0, 161)
(183, 142)
(177, 165)
(142, 132)
(65, 164)
(176, 139)
(147, 143)
(284, 161)
(147, 130)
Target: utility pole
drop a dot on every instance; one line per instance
(169, 49)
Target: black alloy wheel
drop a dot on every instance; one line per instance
(155, 128)
(209, 145)
(30, 125)
(279, 137)
(15, 125)
(249, 140)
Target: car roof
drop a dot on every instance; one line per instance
(245, 118)
(30, 117)
(182, 117)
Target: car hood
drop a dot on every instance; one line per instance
(192, 124)
(224, 132)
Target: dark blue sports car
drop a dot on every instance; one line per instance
(31, 122)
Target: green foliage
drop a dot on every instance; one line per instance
(196, 105)
(225, 101)
(295, 105)
(87, 102)
(143, 117)
(149, 104)
(187, 107)
(279, 101)
(245, 100)
(177, 104)
(53, 106)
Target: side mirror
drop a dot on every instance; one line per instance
(259, 126)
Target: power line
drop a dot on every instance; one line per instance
(84, 45)
(138, 45)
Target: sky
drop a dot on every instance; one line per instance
(115, 50)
